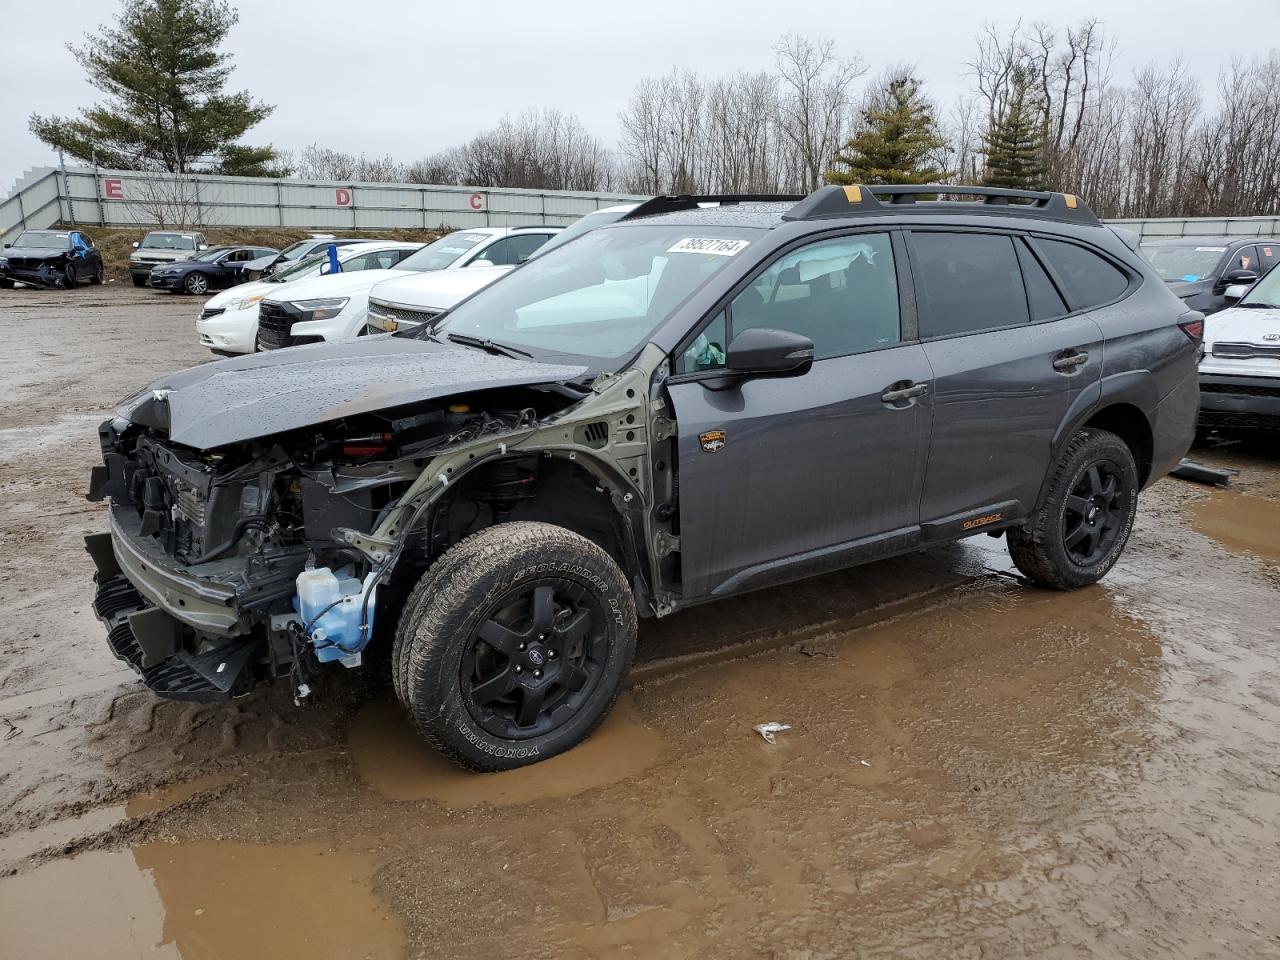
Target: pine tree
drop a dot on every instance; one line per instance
(898, 141)
(164, 78)
(1014, 142)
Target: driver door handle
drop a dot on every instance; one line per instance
(1068, 360)
(904, 390)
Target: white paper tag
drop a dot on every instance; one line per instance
(712, 247)
(1211, 249)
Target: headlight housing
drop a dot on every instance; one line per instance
(323, 309)
(242, 302)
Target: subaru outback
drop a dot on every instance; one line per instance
(685, 405)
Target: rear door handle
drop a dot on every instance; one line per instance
(1069, 360)
(904, 390)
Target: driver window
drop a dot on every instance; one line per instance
(842, 294)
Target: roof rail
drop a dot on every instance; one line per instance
(851, 201)
(691, 201)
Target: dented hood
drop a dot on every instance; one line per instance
(242, 398)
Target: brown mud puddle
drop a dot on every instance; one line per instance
(396, 762)
(199, 901)
(1240, 522)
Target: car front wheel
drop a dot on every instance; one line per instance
(196, 284)
(69, 277)
(514, 645)
(1082, 527)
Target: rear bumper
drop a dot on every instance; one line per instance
(1239, 402)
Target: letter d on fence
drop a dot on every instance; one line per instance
(342, 197)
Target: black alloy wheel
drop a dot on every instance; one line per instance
(1096, 511)
(534, 658)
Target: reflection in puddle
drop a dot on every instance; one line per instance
(198, 900)
(396, 762)
(1240, 522)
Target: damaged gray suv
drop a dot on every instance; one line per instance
(711, 396)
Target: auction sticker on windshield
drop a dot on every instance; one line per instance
(716, 248)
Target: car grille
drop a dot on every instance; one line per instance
(1241, 390)
(410, 318)
(1245, 351)
(208, 312)
(274, 325)
(1246, 421)
(26, 263)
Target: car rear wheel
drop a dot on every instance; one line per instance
(514, 645)
(196, 284)
(1082, 527)
(96, 277)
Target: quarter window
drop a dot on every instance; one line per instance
(1043, 299)
(971, 282)
(1090, 281)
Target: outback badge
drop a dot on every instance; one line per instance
(712, 440)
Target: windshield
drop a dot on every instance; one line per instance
(597, 300)
(441, 253)
(305, 267)
(1185, 262)
(295, 250)
(213, 254)
(44, 238)
(168, 241)
(1264, 293)
(601, 218)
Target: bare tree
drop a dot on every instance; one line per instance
(815, 104)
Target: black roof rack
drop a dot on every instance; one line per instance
(691, 201)
(852, 201)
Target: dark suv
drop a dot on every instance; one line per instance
(1210, 273)
(688, 404)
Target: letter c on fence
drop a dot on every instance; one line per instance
(113, 188)
(342, 197)
(477, 201)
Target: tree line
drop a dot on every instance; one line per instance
(1043, 110)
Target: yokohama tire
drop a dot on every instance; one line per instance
(1091, 460)
(502, 574)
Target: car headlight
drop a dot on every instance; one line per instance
(4, 262)
(323, 309)
(242, 302)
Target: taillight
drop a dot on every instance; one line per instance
(1193, 328)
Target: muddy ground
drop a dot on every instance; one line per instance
(975, 768)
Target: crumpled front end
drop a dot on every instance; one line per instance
(46, 271)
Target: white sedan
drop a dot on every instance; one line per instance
(333, 308)
(228, 322)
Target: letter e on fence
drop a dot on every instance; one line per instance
(113, 188)
(342, 197)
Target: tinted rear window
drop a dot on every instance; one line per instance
(971, 282)
(1042, 297)
(1090, 281)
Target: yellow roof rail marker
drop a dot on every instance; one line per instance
(853, 194)
(1071, 200)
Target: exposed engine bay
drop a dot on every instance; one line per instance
(199, 581)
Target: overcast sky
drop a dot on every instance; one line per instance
(410, 78)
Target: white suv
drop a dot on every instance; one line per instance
(1240, 370)
(333, 308)
(228, 322)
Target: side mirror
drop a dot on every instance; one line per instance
(1240, 276)
(1236, 291)
(135, 244)
(8, 245)
(203, 246)
(763, 351)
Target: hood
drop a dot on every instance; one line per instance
(162, 256)
(436, 289)
(1260, 327)
(1184, 288)
(333, 284)
(242, 398)
(241, 290)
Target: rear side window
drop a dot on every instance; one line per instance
(1089, 280)
(971, 282)
(1043, 299)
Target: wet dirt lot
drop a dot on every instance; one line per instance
(975, 768)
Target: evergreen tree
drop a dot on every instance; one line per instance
(166, 108)
(1014, 142)
(898, 141)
